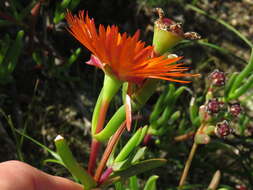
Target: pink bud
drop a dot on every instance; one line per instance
(235, 109)
(214, 106)
(223, 129)
(218, 78)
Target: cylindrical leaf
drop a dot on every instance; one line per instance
(151, 183)
(71, 164)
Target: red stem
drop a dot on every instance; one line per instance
(109, 148)
(95, 145)
(105, 175)
(102, 115)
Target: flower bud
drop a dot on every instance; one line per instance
(223, 129)
(203, 114)
(218, 78)
(202, 139)
(235, 109)
(213, 106)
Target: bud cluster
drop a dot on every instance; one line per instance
(216, 111)
(213, 108)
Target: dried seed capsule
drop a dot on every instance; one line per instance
(235, 109)
(223, 129)
(218, 78)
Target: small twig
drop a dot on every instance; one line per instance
(190, 158)
(215, 181)
(187, 165)
(184, 136)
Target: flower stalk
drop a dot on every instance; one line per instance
(110, 88)
(190, 157)
(94, 152)
(187, 165)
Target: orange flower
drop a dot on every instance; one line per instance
(120, 55)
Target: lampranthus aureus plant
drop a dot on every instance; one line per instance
(124, 59)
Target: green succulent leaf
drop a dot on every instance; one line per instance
(151, 183)
(140, 167)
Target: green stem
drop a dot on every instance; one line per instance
(96, 112)
(110, 88)
(140, 97)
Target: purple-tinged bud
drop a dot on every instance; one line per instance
(235, 109)
(218, 78)
(223, 129)
(213, 106)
